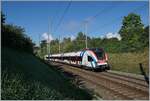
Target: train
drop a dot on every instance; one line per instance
(92, 58)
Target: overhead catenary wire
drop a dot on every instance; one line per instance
(101, 12)
(87, 21)
(63, 15)
(60, 21)
(91, 19)
(116, 19)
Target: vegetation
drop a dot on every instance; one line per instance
(14, 36)
(125, 54)
(26, 77)
(134, 38)
(129, 62)
(132, 32)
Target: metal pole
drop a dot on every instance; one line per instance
(49, 49)
(48, 45)
(39, 46)
(59, 44)
(85, 26)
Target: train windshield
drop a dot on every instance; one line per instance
(100, 54)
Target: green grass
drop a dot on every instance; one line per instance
(129, 62)
(24, 76)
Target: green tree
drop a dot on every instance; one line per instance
(54, 46)
(66, 44)
(131, 31)
(94, 42)
(43, 48)
(80, 36)
(80, 41)
(14, 37)
(2, 18)
(145, 37)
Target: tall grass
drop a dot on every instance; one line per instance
(26, 77)
(129, 62)
(15, 87)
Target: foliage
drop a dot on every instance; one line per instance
(14, 36)
(134, 37)
(2, 18)
(132, 31)
(129, 61)
(145, 37)
(14, 86)
(43, 48)
(24, 76)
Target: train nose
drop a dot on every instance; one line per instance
(101, 61)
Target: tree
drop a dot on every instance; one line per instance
(80, 36)
(131, 31)
(145, 37)
(14, 37)
(43, 48)
(2, 18)
(95, 43)
(54, 46)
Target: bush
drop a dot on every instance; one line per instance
(14, 37)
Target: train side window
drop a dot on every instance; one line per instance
(90, 59)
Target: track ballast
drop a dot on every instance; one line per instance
(110, 85)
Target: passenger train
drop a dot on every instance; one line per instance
(94, 58)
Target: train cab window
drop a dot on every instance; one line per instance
(90, 59)
(100, 54)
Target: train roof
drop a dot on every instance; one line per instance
(77, 53)
(94, 49)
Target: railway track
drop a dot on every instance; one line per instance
(140, 82)
(110, 85)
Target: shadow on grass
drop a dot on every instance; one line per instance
(37, 71)
(74, 79)
(81, 92)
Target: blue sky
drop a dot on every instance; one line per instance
(34, 16)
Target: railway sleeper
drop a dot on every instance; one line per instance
(130, 80)
(106, 86)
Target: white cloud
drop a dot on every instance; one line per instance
(47, 37)
(111, 35)
(72, 37)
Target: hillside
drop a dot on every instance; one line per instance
(24, 76)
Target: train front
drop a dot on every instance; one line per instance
(102, 58)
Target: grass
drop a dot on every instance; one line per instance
(129, 62)
(25, 77)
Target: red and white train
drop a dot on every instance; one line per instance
(94, 58)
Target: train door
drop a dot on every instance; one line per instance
(84, 59)
(91, 62)
(87, 60)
